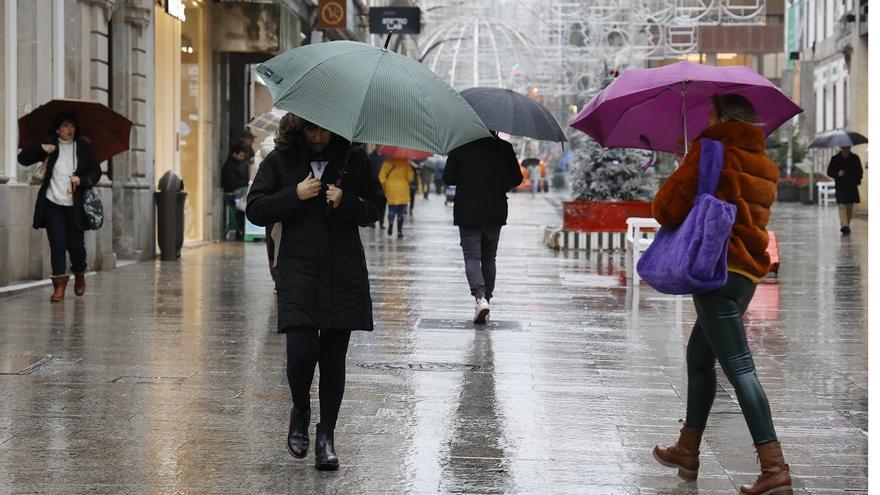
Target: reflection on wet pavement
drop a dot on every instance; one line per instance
(170, 377)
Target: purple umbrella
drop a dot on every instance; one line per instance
(662, 109)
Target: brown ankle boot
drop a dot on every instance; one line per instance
(774, 478)
(684, 455)
(79, 283)
(59, 286)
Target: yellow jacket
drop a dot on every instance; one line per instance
(395, 176)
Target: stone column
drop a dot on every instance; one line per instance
(132, 49)
(95, 77)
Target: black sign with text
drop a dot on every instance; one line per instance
(400, 20)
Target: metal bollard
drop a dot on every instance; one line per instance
(170, 199)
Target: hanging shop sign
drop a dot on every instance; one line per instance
(332, 14)
(398, 20)
(176, 8)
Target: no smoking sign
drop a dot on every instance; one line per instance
(332, 14)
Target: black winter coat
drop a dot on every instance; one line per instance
(234, 174)
(321, 272)
(87, 169)
(847, 175)
(483, 171)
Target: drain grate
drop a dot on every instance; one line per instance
(22, 365)
(449, 324)
(382, 365)
(147, 379)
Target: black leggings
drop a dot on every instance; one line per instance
(307, 347)
(719, 333)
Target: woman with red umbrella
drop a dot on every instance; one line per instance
(71, 169)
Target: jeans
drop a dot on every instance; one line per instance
(64, 238)
(719, 334)
(479, 245)
(307, 347)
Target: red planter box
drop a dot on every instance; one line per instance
(602, 216)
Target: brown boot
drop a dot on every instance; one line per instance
(79, 283)
(684, 455)
(774, 478)
(59, 285)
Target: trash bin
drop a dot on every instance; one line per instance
(169, 215)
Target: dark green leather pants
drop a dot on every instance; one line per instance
(719, 334)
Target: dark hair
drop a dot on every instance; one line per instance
(733, 107)
(238, 148)
(288, 129)
(60, 119)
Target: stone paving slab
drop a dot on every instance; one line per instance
(169, 377)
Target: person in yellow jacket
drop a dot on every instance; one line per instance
(395, 176)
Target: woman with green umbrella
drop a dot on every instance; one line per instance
(322, 285)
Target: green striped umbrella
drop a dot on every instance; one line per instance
(371, 95)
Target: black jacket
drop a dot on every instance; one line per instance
(483, 171)
(87, 169)
(234, 174)
(322, 272)
(847, 175)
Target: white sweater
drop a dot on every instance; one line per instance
(60, 189)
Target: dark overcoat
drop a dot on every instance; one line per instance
(847, 175)
(321, 269)
(87, 169)
(483, 171)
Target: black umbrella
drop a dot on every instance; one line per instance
(508, 111)
(837, 139)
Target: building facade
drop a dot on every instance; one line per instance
(827, 45)
(180, 70)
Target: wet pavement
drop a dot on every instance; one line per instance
(169, 377)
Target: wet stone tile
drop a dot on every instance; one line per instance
(179, 386)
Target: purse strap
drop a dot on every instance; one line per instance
(711, 163)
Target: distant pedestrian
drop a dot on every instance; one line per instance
(535, 177)
(414, 184)
(846, 170)
(482, 171)
(376, 161)
(323, 287)
(71, 169)
(748, 181)
(426, 176)
(439, 166)
(246, 140)
(234, 180)
(396, 176)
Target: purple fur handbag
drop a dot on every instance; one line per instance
(692, 259)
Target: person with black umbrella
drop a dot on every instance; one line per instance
(483, 171)
(846, 170)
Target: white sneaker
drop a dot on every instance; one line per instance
(481, 311)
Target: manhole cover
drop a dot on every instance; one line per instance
(449, 324)
(379, 365)
(22, 365)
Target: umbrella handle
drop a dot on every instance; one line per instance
(684, 123)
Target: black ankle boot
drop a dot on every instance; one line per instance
(325, 452)
(298, 433)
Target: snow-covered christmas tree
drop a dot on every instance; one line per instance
(614, 174)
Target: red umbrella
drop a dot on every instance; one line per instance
(107, 131)
(398, 152)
